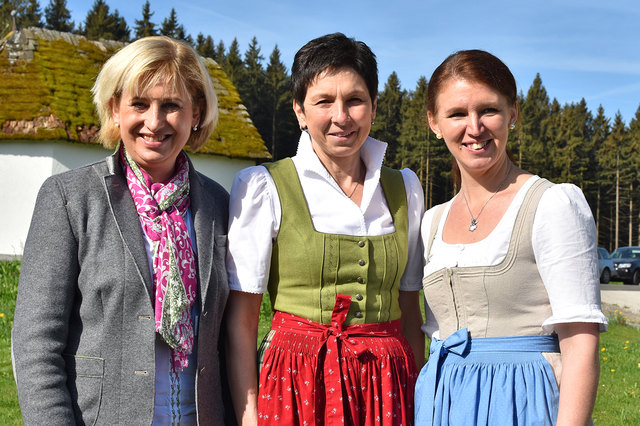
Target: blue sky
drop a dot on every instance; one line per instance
(581, 48)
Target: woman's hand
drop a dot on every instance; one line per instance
(241, 319)
(580, 371)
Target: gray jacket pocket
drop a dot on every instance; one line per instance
(85, 380)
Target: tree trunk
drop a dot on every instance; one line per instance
(617, 199)
(630, 214)
(598, 215)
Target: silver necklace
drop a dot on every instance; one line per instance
(474, 220)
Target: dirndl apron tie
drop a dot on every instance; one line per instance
(335, 340)
(456, 343)
(459, 343)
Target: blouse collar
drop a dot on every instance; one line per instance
(371, 154)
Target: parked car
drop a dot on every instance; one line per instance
(626, 265)
(605, 265)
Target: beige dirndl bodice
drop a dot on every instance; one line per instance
(507, 299)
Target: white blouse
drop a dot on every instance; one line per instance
(564, 245)
(255, 212)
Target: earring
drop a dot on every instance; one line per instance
(373, 122)
(512, 125)
(303, 128)
(438, 136)
(195, 128)
(117, 124)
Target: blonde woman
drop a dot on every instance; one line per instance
(123, 280)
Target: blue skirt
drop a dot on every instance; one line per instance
(488, 381)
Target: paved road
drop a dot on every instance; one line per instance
(625, 296)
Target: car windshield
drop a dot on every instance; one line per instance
(626, 253)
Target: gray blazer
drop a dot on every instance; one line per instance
(83, 336)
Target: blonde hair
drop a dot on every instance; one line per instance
(143, 64)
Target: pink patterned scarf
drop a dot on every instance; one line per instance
(161, 208)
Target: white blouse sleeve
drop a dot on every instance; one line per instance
(564, 244)
(254, 221)
(412, 278)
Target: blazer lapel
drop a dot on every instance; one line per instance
(203, 223)
(126, 217)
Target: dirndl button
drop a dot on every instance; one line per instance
(360, 280)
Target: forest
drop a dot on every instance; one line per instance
(561, 142)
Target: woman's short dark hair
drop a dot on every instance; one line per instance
(332, 52)
(474, 66)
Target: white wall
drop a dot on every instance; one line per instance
(25, 165)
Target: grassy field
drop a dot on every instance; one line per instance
(618, 400)
(9, 410)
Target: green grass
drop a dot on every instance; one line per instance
(618, 393)
(618, 400)
(9, 409)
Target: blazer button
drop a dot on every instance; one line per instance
(359, 297)
(358, 315)
(360, 243)
(361, 262)
(201, 372)
(360, 280)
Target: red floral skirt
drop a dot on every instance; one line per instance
(319, 374)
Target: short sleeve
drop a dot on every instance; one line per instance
(254, 221)
(564, 243)
(412, 278)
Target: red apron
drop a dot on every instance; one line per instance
(316, 374)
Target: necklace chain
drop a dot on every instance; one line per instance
(362, 172)
(474, 220)
(354, 189)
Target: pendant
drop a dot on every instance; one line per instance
(473, 225)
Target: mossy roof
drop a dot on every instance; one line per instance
(47, 75)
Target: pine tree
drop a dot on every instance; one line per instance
(32, 16)
(172, 28)
(58, 17)
(413, 137)
(612, 163)
(631, 152)
(121, 29)
(181, 34)
(601, 130)
(27, 14)
(573, 145)
(553, 144)
(169, 25)
(282, 127)
(220, 56)
(533, 143)
(100, 23)
(388, 119)
(252, 90)
(205, 46)
(144, 27)
(232, 64)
